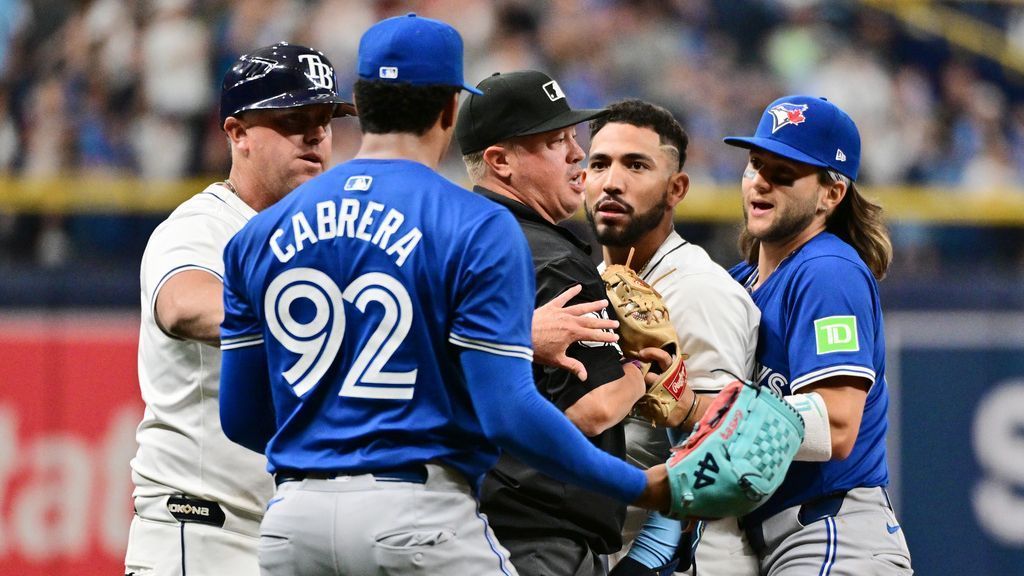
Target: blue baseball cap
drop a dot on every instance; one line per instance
(415, 50)
(809, 130)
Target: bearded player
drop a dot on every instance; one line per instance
(635, 179)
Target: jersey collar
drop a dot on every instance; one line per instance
(224, 194)
(522, 212)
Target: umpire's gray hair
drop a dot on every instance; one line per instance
(475, 166)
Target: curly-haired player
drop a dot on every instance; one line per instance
(814, 251)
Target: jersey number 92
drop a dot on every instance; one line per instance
(318, 339)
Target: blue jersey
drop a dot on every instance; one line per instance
(362, 286)
(821, 317)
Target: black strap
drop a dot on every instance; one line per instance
(651, 267)
(416, 474)
(820, 508)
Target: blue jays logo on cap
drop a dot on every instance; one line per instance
(824, 135)
(786, 114)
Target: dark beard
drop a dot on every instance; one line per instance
(788, 226)
(639, 225)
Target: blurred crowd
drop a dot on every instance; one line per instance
(130, 87)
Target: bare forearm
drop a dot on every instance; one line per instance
(607, 405)
(201, 326)
(190, 306)
(689, 410)
(844, 398)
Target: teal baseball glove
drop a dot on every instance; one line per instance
(737, 455)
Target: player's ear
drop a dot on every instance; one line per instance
(831, 197)
(236, 132)
(449, 112)
(678, 186)
(496, 158)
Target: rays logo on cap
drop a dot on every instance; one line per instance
(320, 74)
(785, 114)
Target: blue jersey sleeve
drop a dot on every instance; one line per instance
(494, 290)
(517, 418)
(656, 544)
(241, 326)
(246, 407)
(831, 321)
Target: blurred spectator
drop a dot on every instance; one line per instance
(15, 17)
(797, 46)
(357, 15)
(177, 90)
(130, 87)
(112, 36)
(10, 137)
(514, 43)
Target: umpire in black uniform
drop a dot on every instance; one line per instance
(518, 141)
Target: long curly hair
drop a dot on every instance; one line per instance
(857, 220)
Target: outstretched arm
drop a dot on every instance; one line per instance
(518, 419)
(246, 407)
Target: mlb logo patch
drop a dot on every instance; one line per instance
(388, 72)
(554, 91)
(358, 183)
(786, 114)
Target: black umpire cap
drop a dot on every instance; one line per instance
(515, 104)
(281, 76)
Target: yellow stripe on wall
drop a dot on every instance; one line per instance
(108, 195)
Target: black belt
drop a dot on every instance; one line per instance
(826, 506)
(416, 474)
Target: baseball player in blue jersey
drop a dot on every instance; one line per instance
(376, 343)
(198, 497)
(814, 250)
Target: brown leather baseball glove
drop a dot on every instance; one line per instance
(644, 323)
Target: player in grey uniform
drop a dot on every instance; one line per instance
(198, 497)
(635, 179)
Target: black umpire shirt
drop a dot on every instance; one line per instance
(521, 502)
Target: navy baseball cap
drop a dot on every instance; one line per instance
(280, 76)
(515, 104)
(809, 130)
(415, 50)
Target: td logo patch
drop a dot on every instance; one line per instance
(836, 334)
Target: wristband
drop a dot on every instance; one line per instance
(690, 411)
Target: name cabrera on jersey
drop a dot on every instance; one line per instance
(821, 317)
(348, 218)
(358, 285)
